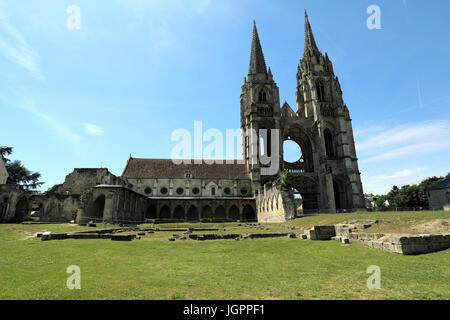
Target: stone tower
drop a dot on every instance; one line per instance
(260, 111)
(326, 175)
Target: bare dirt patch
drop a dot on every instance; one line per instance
(432, 226)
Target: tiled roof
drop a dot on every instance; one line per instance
(443, 184)
(165, 169)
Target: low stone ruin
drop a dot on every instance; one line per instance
(402, 244)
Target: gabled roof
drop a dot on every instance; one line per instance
(138, 168)
(440, 185)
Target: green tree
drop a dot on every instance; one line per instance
(285, 183)
(18, 174)
(410, 195)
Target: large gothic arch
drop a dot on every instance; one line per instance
(297, 134)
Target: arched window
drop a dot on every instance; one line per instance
(262, 96)
(320, 91)
(329, 144)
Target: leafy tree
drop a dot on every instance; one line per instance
(18, 174)
(285, 184)
(409, 195)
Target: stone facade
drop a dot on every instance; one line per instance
(3, 172)
(439, 196)
(274, 205)
(192, 191)
(326, 175)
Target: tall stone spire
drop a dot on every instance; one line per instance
(257, 62)
(310, 43)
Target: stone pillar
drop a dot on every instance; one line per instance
(107, 211)
(329, 192)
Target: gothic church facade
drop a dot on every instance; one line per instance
(327, 175)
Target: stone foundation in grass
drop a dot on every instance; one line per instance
(401, 244)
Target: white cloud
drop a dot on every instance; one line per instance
(381, 184)
(406, 140)
(14, 47)
(53, 123)
(398, 174)
(93, 129)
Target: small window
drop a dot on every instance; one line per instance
(180, 191)
(448, 196)
(262, 96)
(187, 174)
(148, 190)
(244, 191)
(164, 190)
(196, 190)
(213, 191)
(320, 91)
(227, 190)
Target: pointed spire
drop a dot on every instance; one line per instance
(257, 62)
(310, 43)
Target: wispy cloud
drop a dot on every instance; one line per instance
(399, 174)
(405, 140)
(14, 47)
(93, 129)
(381, 184)
(52, 122)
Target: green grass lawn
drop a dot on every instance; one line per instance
(277, 268)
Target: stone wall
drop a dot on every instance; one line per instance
(187, 187)
(439, 198)
(57, 208)
(14, 203)
(411, 245)
(407, 245)
(273, 205)
(82, 179)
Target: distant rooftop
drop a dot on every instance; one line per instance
(443, 184)
(137, 168)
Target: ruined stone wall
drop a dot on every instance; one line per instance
(273, 205)
(411, 245)
(82, 179)
(57, 208)
(14, 203)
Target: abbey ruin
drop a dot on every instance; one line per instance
(326, 176)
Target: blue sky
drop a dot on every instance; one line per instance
(137, 70)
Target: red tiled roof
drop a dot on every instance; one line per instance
(165, 168)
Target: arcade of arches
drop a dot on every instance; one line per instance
(196, 210)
